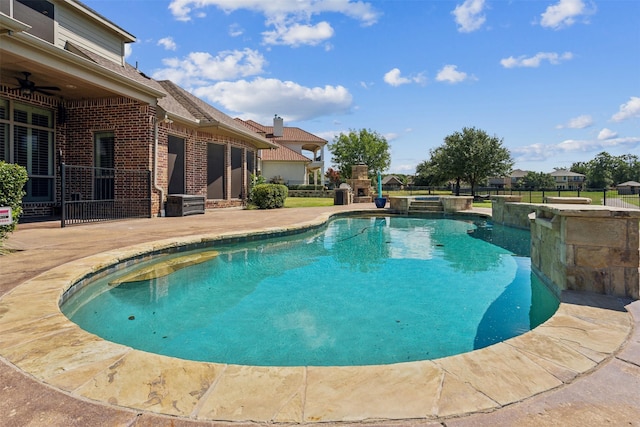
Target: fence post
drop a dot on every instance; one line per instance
(604, 197)
(543, 195)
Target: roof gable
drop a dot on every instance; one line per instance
(182, 105)
(289, 134)
(283, 154)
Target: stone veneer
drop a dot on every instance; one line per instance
(587, 248)
(579, 247)
(450, 204)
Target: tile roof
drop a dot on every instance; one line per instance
(283, 154)
(289, 134)
(564, 172)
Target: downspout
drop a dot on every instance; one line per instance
(155, 166)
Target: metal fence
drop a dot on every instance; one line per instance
(606, 197)
(90, 194)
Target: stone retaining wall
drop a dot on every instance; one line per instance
(507, 210)
(456, 203)
(595, 249)
(577, 246)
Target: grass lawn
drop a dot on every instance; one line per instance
(484, 204)
(307, 202)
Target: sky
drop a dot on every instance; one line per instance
(558, 81)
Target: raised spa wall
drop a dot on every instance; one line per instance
(450, 204)
(577, 246)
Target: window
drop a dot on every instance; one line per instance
(27, 138)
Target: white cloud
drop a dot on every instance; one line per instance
(168, 43)
(450, 74)
(564, 14)
(395, 78)
(235, 30)
(536, 60)
(539, 152)
(607, 134)
(579, 122)
(291, 19)
(468, 15)
(299, 34)
(201, 67)
(261, 98)
(128, 50)
(628, 110)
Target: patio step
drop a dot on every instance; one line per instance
(425, 206)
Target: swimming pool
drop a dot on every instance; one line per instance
(362, 291)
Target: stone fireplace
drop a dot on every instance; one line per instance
(360, 184)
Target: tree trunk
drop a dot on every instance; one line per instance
(457, 186)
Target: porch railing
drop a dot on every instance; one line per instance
(91, 194)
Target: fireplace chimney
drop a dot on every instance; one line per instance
(278, 126)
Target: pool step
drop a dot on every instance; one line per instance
(425, 206)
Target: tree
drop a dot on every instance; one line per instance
(471, 155)
(538, 181)
(333, 176)
(606, 170)
(360, 147)
(427, 175)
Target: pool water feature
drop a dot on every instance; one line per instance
(362, 291)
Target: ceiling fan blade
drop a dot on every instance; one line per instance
(46, 87)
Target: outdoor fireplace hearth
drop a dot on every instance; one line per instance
(360, 184)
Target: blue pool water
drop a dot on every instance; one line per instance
(362, 291)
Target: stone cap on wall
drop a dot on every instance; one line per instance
(594, 211)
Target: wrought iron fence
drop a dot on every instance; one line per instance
(607, 197)
(90, 194)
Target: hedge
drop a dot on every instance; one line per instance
(12, 180)
(269, 196)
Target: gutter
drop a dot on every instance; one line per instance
(155, 166)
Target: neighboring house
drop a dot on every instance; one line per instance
(510, 181)
(299, 155)
(567, 180)
(391, 181)
(67, 96)
(629, 187)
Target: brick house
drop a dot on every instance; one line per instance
(68, 96)
(300, 154)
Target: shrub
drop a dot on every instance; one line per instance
(305, 187)
(12, 180)
(269, 196)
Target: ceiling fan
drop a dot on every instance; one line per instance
(28, 87)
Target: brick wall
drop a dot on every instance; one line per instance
(132, 124)
(196, 160)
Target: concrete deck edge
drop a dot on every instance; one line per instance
(586, 331)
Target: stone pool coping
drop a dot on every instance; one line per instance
(586, 330)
